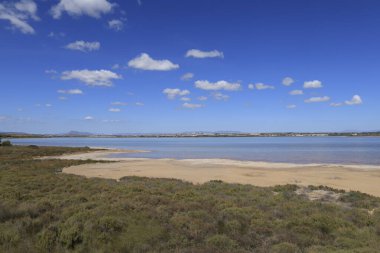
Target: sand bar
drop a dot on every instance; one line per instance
(364, 178)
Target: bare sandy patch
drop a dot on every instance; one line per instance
(364, 178)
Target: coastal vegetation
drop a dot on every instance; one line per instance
(44, 210)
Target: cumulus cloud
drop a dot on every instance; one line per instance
(83, 46)
(116, 24)
(114, 110)
(251, 86)
(62, 98)
(287, 81)
(196, 53)
(119, 103)
(92, 8)
(336, 104)
(19, 14)
(71, 92)
(48, 105)
(220, 85)
(261, 86)
(317, 99)
(191, 106)
(296, 92)
(145, 62)
(91, 77)
(88, 118)
(356, 100)
(220, 96)
(312, 84)
(187, 76)
(185, 99)
(291, 106)
(139, 104)
(202, 98)
(173, 93)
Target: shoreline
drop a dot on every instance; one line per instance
(363, 178)
(102, 154)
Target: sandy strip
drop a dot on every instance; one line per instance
(364, 178)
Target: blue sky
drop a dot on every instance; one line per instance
(109, 66)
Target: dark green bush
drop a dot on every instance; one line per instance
(6, 144)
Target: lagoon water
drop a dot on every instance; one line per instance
(341, 150)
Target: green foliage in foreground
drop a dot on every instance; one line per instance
(42, 210)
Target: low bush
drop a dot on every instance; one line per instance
(42, 210)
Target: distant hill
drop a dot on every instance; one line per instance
(77, 133)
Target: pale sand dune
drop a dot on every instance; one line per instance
(364, 178)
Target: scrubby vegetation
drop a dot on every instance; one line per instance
(43, 210)
(5, 143)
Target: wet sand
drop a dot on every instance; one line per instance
(364, 178)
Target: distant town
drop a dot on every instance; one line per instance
(187, 134)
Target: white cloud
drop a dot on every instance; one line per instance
(204, 54)
(119, 103)
(287, 81)
(92, 8)
(19, 13)
(185, 99)
(115, 66)
(202, 98)
(139, 104)
(312, 84)
(88, 118)
(220, 96)
(62, 98)
(56, 35)
(48, 105)
(192, 106)
(83, 46)
(336, 104)
(50, 71)
(317, 99)
(261, 86)
(91, 77)
(187, 76)
(251, 86)
(173, 93)
(3, 118)
(296, 92)
(145, 62)
(114, 110)
(116, 24)
(356, 100)
(220, 85)
(291, 106)
(71, 92)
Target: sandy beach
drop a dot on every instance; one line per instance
(364, 178)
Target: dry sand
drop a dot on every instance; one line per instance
(364, 178)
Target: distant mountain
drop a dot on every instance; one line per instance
(77, 133)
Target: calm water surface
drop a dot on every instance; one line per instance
(346, 150)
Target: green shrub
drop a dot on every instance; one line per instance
(221, 243)
(6, 144)
(285, 247)
(47, 239)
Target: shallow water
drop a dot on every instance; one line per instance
(344, 150)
